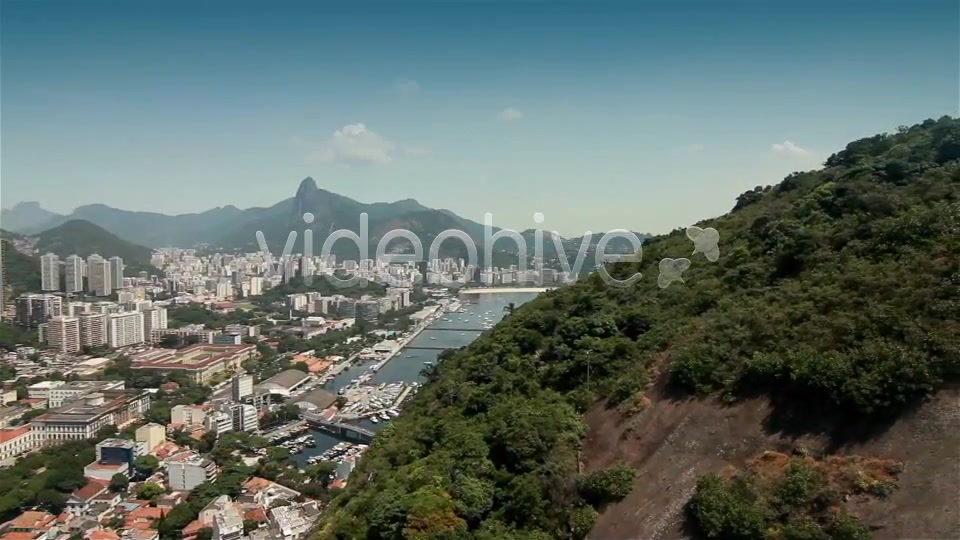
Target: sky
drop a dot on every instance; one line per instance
(645, 115)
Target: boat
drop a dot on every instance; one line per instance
(433, 338)
(384, 416)
(428, 363)
(374, 419)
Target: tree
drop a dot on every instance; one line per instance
(107, 432)
(119, 482)
(510, 308)
(173, 523)
(250, 525)
(146, 465)
(149, 491)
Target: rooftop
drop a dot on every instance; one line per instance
(10, 434)
(319, 398)
(193, 357)
(286, 379)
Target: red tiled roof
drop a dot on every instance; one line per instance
(88, 491)
(10, 434)
(33, 520)
(256, 514)
(19, 536)
(101, 534)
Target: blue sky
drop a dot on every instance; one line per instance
(645, 115)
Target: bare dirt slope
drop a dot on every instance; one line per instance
(673, 442)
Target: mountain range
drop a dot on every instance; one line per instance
(229, 228)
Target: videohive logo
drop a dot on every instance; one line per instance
(705, 241)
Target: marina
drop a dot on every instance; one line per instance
(387, 384)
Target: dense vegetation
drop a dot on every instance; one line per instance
(11, 336)
(182, 315)
(45, 478)
(21, 273)
(799, 498)
(835, 288)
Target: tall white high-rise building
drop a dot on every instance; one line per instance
(240, 387)
(63, 334)
(243, 417)
(73, 274)
(124, 329)
(116, 272)
(93, 329)
(99, 279)
(256, 286)
(154, 318)
(50, 272)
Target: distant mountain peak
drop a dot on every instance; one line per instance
(307, 185)
(26, 205)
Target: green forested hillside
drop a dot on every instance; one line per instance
(21, 273)
(836, 293)
(79, 237)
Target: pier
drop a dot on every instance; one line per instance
(428, 348)
(342, 430)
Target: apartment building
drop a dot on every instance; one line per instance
(228, 524)
(154, 318)
(244, 417)
(98, 276)
(151, 435)
(218, 422)
(93, 329)
(36, 309)
(75, 309)
(63, 334)
(188, 470)
(124, 329)
(50, 272)
(73, 274)
(116, 272)
(241, 386)
(188, 415)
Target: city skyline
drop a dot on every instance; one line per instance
(587, 113)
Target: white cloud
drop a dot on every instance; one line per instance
(406, 86)
(354, 143)
(510, 115)
(787, 148)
